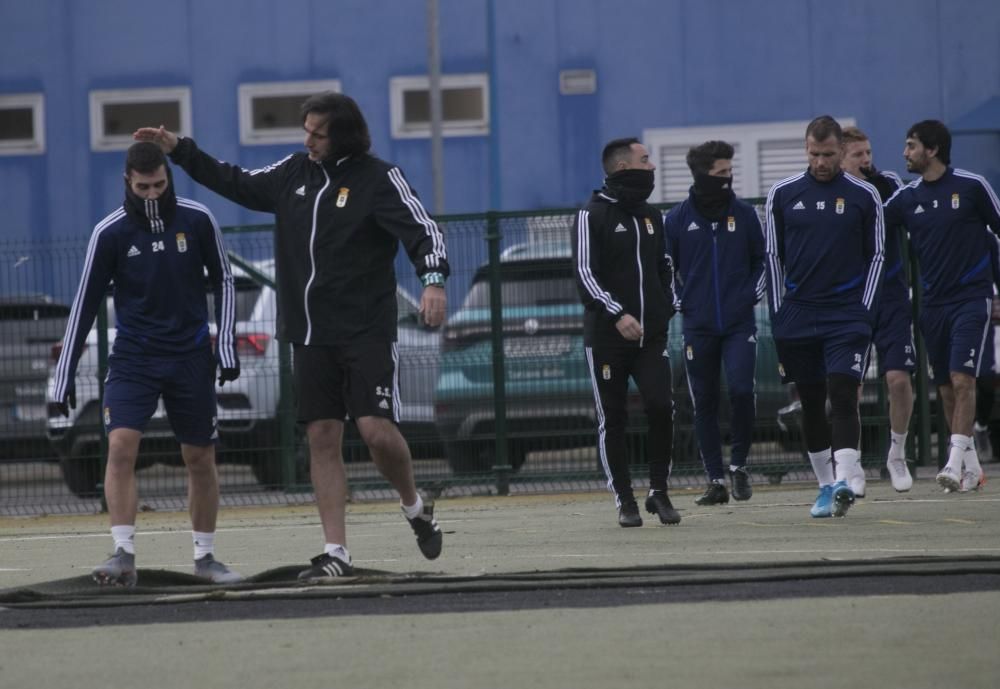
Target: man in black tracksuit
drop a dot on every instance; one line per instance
(624, 276)
(340, 216)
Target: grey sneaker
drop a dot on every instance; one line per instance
(209, 568)
(117, 570)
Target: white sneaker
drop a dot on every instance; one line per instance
(949, 478)
(899, 474)
(972, 479)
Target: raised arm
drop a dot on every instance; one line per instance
(257, 190)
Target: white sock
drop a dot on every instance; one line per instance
(124, 538)
(822, 463)
(204, 543)
(413, 511)
(846, 462)
(897, 445)
(337, 550)
(976, 426)
(960, 444)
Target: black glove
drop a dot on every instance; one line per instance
(228, 373)
(68, 402)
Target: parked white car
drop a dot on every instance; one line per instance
(248, 408)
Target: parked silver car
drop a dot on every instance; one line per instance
(248, 408)
(29, 327)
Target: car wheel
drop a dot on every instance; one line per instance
(81, 470)
(468, 457)
(267, 466)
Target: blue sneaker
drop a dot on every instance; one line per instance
(843, 498)
(823, 507)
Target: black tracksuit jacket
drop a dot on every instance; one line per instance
(338, 228)
(621, 266)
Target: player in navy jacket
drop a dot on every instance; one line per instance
(947, 212)
(824, 242)
(623, 276)
(892, 331)
(717, 249)
(156, 250)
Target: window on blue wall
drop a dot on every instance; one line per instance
(22, 123)
(269, 111)
(115, 114)
(765, 153)
(464, 105)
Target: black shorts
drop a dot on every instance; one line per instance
(357, 379)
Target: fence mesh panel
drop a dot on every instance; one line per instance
(513, 308)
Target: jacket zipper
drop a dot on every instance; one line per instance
(715, 274)
(312, 256)
(642, 291)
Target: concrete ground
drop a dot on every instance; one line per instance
(902, 628)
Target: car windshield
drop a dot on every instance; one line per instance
(526, 286)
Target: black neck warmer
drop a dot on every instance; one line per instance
(155, 214)
(712, 195)
(631, 188)
(884, 185)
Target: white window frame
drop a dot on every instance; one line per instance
(251, 136)
(98, 99)
(747, 138)
(402, 130)
(36, 144)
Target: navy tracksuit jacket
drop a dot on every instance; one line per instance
(718, 277)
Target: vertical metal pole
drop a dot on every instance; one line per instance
(491, 50)
(501, 468)
(434, 72)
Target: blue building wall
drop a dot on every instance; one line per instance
(659, 63)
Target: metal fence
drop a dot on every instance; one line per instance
(498, 399)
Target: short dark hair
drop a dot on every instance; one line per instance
(823, 127)
(144, 157)
(616, 150)
(346, 126)
(701, 158)
(933, 134)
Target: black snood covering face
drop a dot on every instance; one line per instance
(155, 214)
(630, 187)
(712, 195)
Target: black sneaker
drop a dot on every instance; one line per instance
(325, 567)
(659, 504)
(739, 478)
(715, 494)
(425, 526)
(628, 514)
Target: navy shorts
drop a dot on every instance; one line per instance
(356, 379)
(955, 335)
(892, 337)
(813, 343)
(136, 383)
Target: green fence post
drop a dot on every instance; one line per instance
(102, 373)
(924, 417)
(286, 418)
(501, 467)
